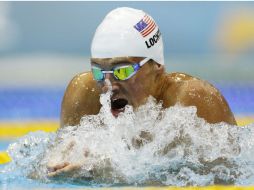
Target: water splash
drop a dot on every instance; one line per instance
(148, 146)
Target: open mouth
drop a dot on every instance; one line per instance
(118, 105)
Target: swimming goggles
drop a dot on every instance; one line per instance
(119, 72)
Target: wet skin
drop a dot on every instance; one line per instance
(82, 95)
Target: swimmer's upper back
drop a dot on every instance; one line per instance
(191, 91)
(82, 98)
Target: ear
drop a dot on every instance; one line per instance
(159, 68)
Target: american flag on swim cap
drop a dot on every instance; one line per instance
(145, 26)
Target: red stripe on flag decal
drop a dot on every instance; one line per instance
(148, 27)
(149, 31)
(147, 19)
(150, 23)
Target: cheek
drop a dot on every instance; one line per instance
(142, 79)
(99, 85)
(135, 86)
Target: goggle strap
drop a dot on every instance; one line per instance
(107, 72)
(141, 63)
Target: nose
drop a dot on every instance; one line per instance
(109, 76)
(107, 85)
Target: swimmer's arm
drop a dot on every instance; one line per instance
(64, 168)
(81, 98)
(82, 168)
(210, 103)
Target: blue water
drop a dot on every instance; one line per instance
(183, 151)
(45, 103)
(239, 96)
(4, 144)
(20, 104)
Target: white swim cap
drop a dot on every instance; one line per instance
(128, 32)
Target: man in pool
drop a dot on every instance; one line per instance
(127, 49)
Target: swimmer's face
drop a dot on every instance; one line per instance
(133, 91)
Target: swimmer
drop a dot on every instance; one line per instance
(127, 49)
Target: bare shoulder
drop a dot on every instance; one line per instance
(81, 98)
(185, 84)
(192, 91)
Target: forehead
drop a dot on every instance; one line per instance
(115, 60)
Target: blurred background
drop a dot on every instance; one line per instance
(44, 44)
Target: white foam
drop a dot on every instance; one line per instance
(178, 148)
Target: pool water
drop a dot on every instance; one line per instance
(175, 150)
(4, 145)
(204, 155)
(45, 103)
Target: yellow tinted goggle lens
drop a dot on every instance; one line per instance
(124, 72)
